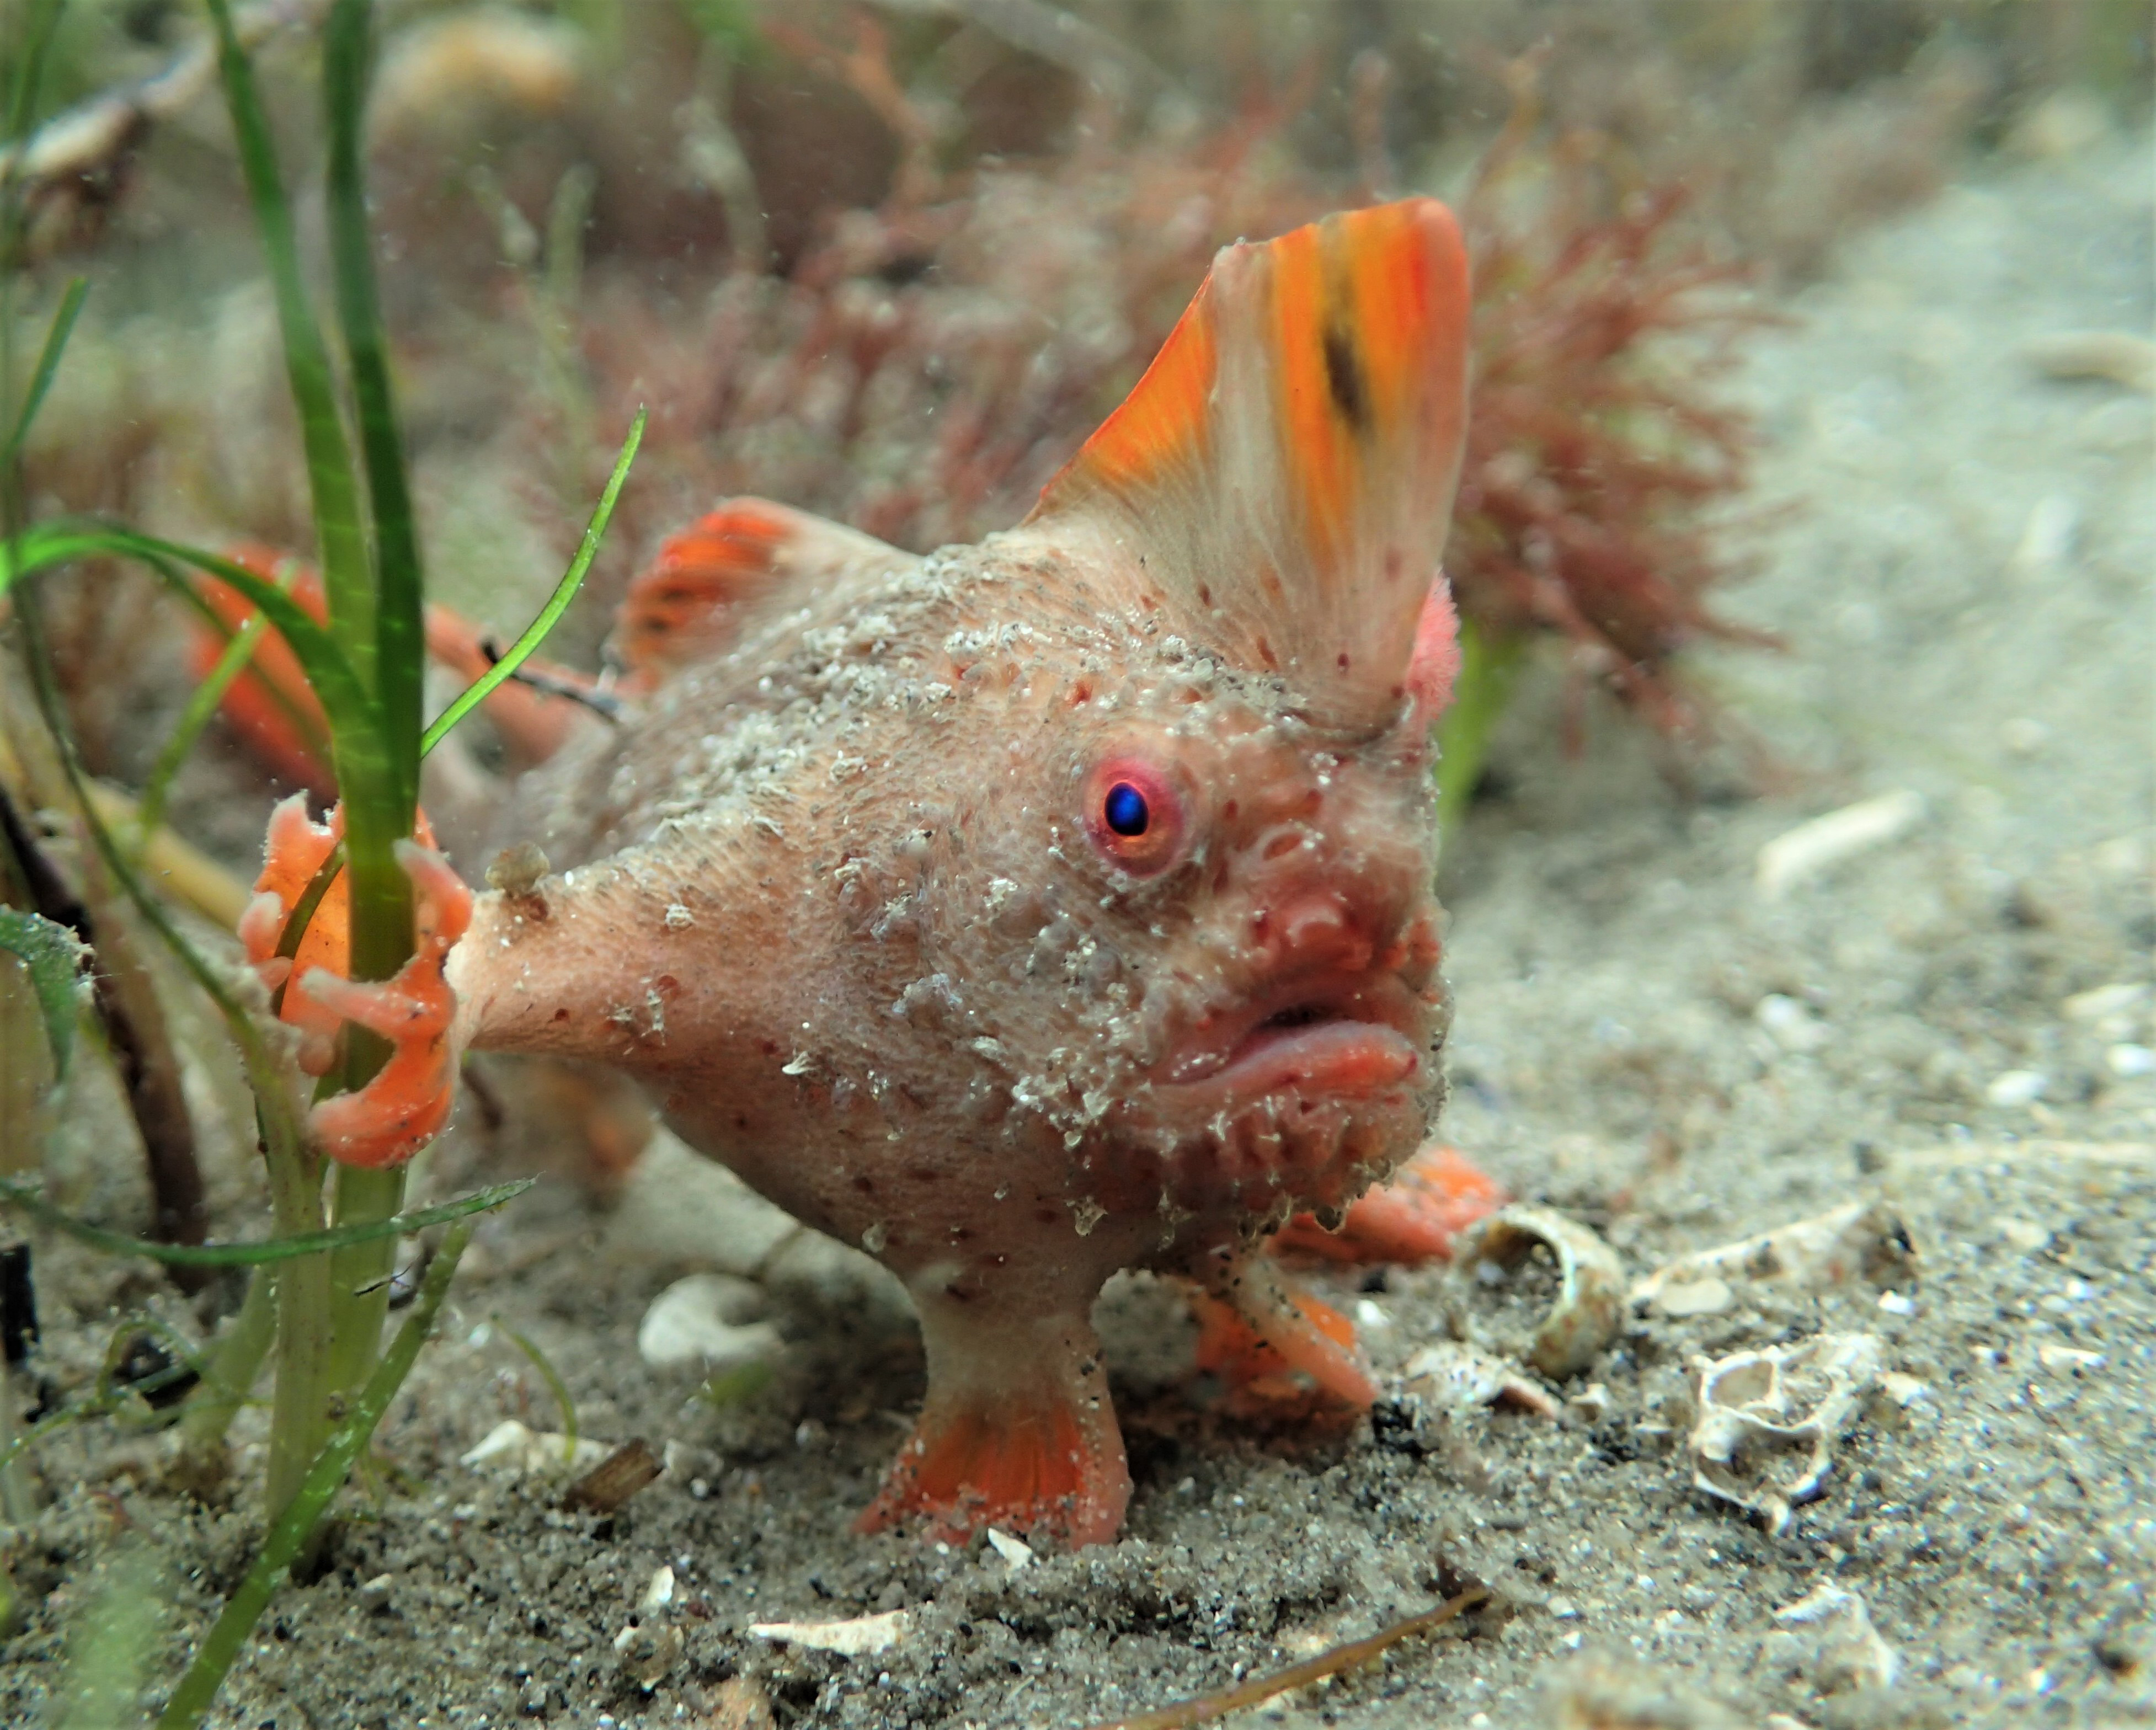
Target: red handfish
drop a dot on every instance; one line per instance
(1034, 909)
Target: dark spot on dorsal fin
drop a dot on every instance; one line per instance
(1343, 374)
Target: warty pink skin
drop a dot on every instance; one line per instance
(834, 899)
(850, 893)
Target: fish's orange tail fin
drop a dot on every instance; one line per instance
(1282, 476)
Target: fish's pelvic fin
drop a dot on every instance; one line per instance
(1018, 1432)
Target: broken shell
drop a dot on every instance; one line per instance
(1767, 1420)
(1847, 1652)
(1015, 1551)
(679, 1208)
(703, 1322)
(658, 1592)
(860, 1637)
(2120, 357)
(1590, 1282)
(1456, 1377)
(610, 1484)
(511, 1447)
(1864, 1239)
(1798, 855)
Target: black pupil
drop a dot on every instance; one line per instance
(1126, 811)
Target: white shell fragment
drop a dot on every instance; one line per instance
(2012, 1088)
(512, 1447)
(658, 1592)
(701, 1323)
(1862, 1240)
(1847, 1652)
(1590, 1298)
(1454, 1378)
(2119, 356)
(1769, 1420)
(862, 1637)
(1015, 1551)
(2047, 539)
(1810, 849)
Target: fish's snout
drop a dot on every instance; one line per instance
(1314, 904)
(1312, 928)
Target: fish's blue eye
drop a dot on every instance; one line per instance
(1126, 810)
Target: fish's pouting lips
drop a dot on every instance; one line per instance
(1328, 1034)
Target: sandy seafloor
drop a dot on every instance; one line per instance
(1996, 1514)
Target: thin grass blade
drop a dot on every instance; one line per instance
(346, 577)
(48, 363)
(55, 957)
(25, 1197)
(202, 705)
(555, 1385)
(192, 1699)
(400, 627)
(557, 603)
(335, 680)
(41, 20)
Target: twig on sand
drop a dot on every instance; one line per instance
(1334, 1662)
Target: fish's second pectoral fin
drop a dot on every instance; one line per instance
(1412, 1217)
(686, 604)
(1271, 1353)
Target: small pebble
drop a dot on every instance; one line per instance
(2047, 542)
(1897, 1303)
(2130, 1061)
(1710, 1296)
(2104, 1002)
(2016, 1088)
(1789, 1024)
(2024, 736)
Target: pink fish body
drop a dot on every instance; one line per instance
(1060, 904)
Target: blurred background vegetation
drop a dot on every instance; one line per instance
(891, 260)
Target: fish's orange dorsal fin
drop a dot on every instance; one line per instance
(686, 604)
(1284, 471)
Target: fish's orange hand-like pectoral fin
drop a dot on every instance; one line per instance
(1285, 469)
(407, 1102)
(686, 603)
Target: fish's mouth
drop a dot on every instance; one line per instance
(1333, 1035)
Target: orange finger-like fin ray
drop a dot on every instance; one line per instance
(1282, 475)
